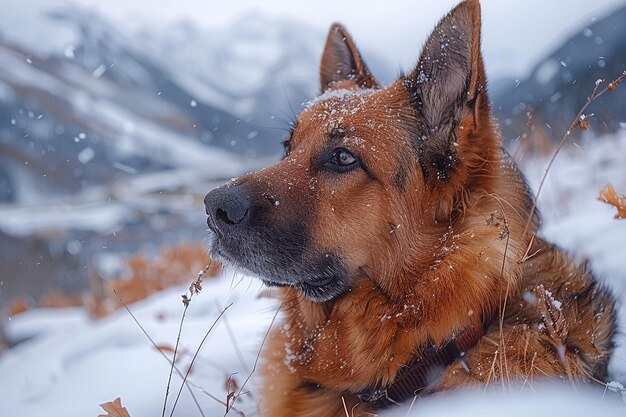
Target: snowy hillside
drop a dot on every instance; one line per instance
(85, 99)
(252, 66)
(227, 67)
(72, 364)
(108, 126)
(563, 79)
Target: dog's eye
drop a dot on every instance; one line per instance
(342, 158)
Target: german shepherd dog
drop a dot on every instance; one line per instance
(403, 241)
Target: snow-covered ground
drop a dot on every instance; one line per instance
(75, 364)
(72, 364)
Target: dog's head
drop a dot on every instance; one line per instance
(372, 176)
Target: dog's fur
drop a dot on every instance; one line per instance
(423, 235)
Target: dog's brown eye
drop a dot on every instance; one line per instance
(343, 158)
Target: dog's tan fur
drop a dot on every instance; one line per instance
(432, 250)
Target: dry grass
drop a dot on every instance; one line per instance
(580, 121)
(146, 276)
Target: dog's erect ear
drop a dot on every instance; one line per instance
(450, 75)
(342, 61)
(449, 82)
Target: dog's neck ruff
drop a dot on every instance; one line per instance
(422, 371)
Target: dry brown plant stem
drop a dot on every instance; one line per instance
(579, 121)
(145, 332)
(186, 301)
(196, 355)
(256, 360)
(233, 339)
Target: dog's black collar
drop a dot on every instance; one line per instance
(422, 371)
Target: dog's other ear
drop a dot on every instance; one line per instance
(341, 61)
(449, 84)
(450, 75)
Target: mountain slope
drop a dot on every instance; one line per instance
(561, 82)
(86, 101)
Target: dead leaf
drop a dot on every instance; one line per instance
(165, 348)
(114, 409)
(615, 83)
(583, 121)
(180, 354)
(609, 196)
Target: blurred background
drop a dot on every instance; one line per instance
(117, 117)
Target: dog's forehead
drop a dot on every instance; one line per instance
(344, 108)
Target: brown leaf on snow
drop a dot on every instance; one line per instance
(182, 352)
(609, 196)
(165, 348)
(114, 409)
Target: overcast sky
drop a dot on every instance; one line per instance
(515, 33)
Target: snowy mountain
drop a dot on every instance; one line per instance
(84, 100)
(253, 68)
(111, 134)
(560, 83)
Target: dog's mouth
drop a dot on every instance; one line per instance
(210, 222)
(319, 292)
(320, 278)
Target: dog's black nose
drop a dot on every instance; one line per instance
(226, 207)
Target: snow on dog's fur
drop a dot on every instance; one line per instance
(394, 222)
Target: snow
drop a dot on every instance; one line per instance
(541, 400)
(255, 56)
(224, 54)
(31, 24)
(71, 363)
(45, 321)
(103, 105)
(341, 94)
(400, 27)
(575, 219)
(547, 71)
(573, 216)
(94, 362)
(86, 155)
(103, 217)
